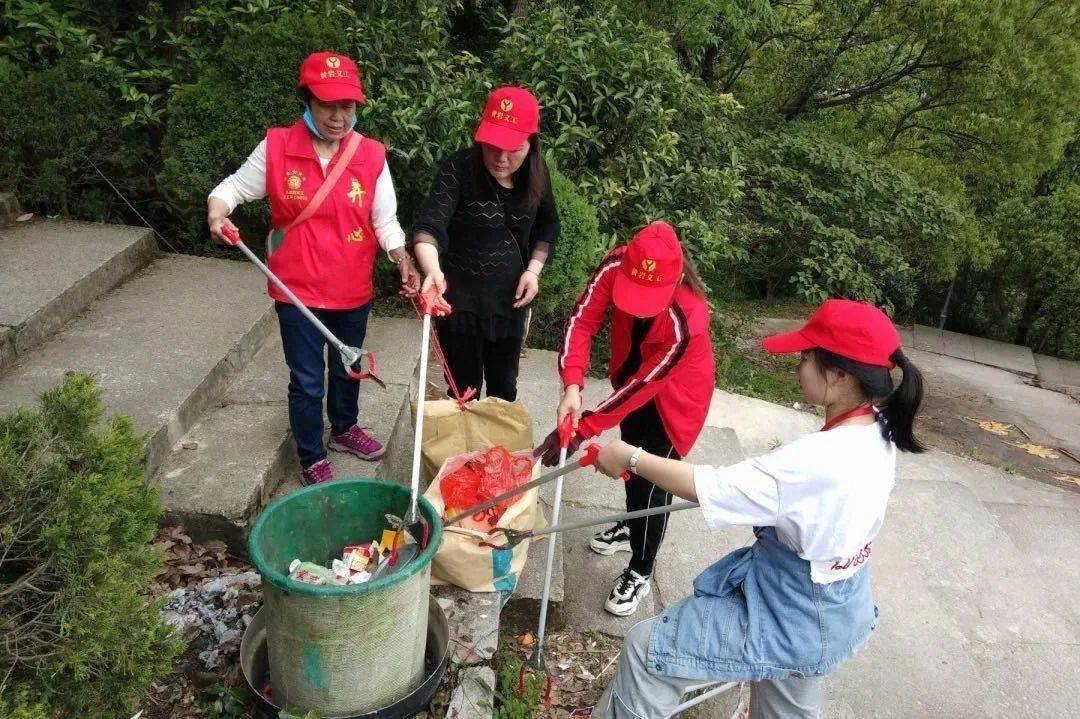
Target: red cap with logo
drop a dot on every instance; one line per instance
(858, 331)
(651, 269)
(511, 116)
(331, 77)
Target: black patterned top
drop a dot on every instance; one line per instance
(486, 234)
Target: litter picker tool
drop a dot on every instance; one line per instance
(431, 303)
(352, 357)
(566, 431)
(515, 537)
(588, 459)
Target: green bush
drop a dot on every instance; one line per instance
(643, 139)
(577, 252)
(827, 221)
(53, 124)
(74, 558)
(215, 123)
(20, 707)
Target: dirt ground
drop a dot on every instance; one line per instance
(998, 418)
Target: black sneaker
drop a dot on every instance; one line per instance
(611, 540)
(630, 588)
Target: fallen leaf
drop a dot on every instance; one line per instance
(1068, 478)
(993, 427)
(527, 640)
(1037, 449)
(26, 216)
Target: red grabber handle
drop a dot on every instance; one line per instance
(566, 431)
(432, 303)
(231, 234)
(592, 452)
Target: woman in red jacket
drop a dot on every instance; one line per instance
(663, 374)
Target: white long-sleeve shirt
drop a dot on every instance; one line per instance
(249, 183)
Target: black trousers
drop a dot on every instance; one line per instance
(643, 428)
(472, 360)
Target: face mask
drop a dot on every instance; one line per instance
(310, 122)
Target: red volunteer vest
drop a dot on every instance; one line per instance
(327, 260)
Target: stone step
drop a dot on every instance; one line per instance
(51, 270)
(241, 454)
(164, 345)
(9, 208)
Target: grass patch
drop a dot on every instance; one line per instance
(747, 375)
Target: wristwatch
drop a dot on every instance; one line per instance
(634, 459)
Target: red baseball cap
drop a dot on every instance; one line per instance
(651, 269)
(511, 116)
(855, 330)
(331, 77)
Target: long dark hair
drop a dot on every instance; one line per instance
(897, 407)
(532, 175)
(692, 280)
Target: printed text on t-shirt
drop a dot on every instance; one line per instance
(854, 560)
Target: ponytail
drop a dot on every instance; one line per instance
(900, 408)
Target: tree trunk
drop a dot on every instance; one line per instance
(1032, 304)
(521, 7)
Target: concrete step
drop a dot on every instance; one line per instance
(164, 345)
(9, 208)
(51, 270)
(241, 454)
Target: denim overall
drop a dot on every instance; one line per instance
(757, 615)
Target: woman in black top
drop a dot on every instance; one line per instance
(489, 224)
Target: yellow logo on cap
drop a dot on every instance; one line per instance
(647, 272)
(333, 62)
(506, 105)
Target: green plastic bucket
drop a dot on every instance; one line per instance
(341, 650)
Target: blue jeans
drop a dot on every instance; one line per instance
(305, 353)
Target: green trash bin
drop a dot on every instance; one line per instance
(341, 650)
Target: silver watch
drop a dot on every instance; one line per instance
(634, 459)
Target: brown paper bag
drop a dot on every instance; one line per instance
(451, 430)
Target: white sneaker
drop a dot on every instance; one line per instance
(630, 588)
(613, 539)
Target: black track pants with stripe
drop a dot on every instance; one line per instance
(643, 428)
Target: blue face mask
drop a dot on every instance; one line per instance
(310, 122)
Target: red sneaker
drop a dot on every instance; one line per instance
(357, 441)
(317, 473)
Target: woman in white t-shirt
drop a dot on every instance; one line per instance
(789, 609)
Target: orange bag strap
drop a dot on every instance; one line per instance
(329, 183)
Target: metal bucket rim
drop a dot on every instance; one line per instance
(282, 581)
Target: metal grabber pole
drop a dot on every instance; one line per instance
(414, 487)
(566, 431)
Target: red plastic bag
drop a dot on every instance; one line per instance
(483, 476)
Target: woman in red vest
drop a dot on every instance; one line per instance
(663, 374)
(323, 246)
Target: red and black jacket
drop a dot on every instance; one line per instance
(676, 368)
